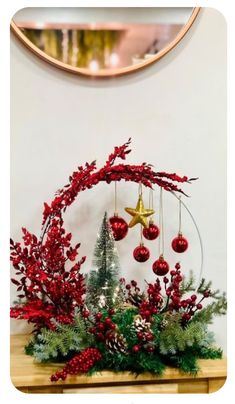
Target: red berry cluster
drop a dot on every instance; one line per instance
(191, 306)
(188, 307)
(103, 327)
(153, 303)
(149, 348)
(133, 293)
(145, 342)
(80, 363)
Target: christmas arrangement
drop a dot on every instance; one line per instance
(100, 320)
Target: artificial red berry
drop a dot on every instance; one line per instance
(186, 316)
(150, 348)
(150, 290)
(100, 327)
(128, 286)
(189, 301)
(85, 314)
(149, 337)
(177, 265)
(173, 272)
(199, 306)
(134, 283)
(108, 321)
(147, 313)
(98, 316)
(100, 336)
(136, 348)
(193, 298)
(111, 312)
(140, 335)
(206, 293)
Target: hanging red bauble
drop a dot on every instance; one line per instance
(160, 267)
(141, 253)
(119, 227)
(179, 244)
(151, 232)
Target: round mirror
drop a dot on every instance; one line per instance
(102, 41)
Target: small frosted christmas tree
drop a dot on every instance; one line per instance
(103, 288)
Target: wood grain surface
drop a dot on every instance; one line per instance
(32, 377)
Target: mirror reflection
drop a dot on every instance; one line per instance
(101, 41)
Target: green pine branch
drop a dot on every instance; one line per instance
(174, 338)
(216, 308)
(51, 345)
(187, 284)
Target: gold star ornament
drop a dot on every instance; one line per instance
(139, 214)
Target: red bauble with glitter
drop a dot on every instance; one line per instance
(119, 227)
(151, 232)
(179, 244)
(160, 267)
(141, 253)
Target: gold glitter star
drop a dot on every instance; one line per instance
(139, 214)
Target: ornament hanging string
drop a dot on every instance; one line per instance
(115, 198)
(161, 224)
(180, 221)
(141, 235)
(151, 202)
(141, 232)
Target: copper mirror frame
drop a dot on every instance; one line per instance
(102, 72)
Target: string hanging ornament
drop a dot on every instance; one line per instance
(118, 224)
(160, 266)
(152, 231)
(180, 243)
(141, 253)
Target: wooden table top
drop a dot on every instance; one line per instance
(26, 372)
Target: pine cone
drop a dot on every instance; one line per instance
(141, 324)
(163, 324)
(116, 342)
(135, 298)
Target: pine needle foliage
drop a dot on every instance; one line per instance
(216, 308)
(174, 338)
(103, 281)
(50, 345)
(188, 284)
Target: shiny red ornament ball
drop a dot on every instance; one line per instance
(179, 244)
(141, 253)
(151, 232)
(160, 267)
(119, 227)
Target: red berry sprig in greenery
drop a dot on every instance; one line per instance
(102, 327)
(80, 363)
(153, 302)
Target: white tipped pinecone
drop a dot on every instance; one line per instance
(140, 324)
(116, 342)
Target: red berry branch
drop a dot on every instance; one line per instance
(80, 363)
(154, 302)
